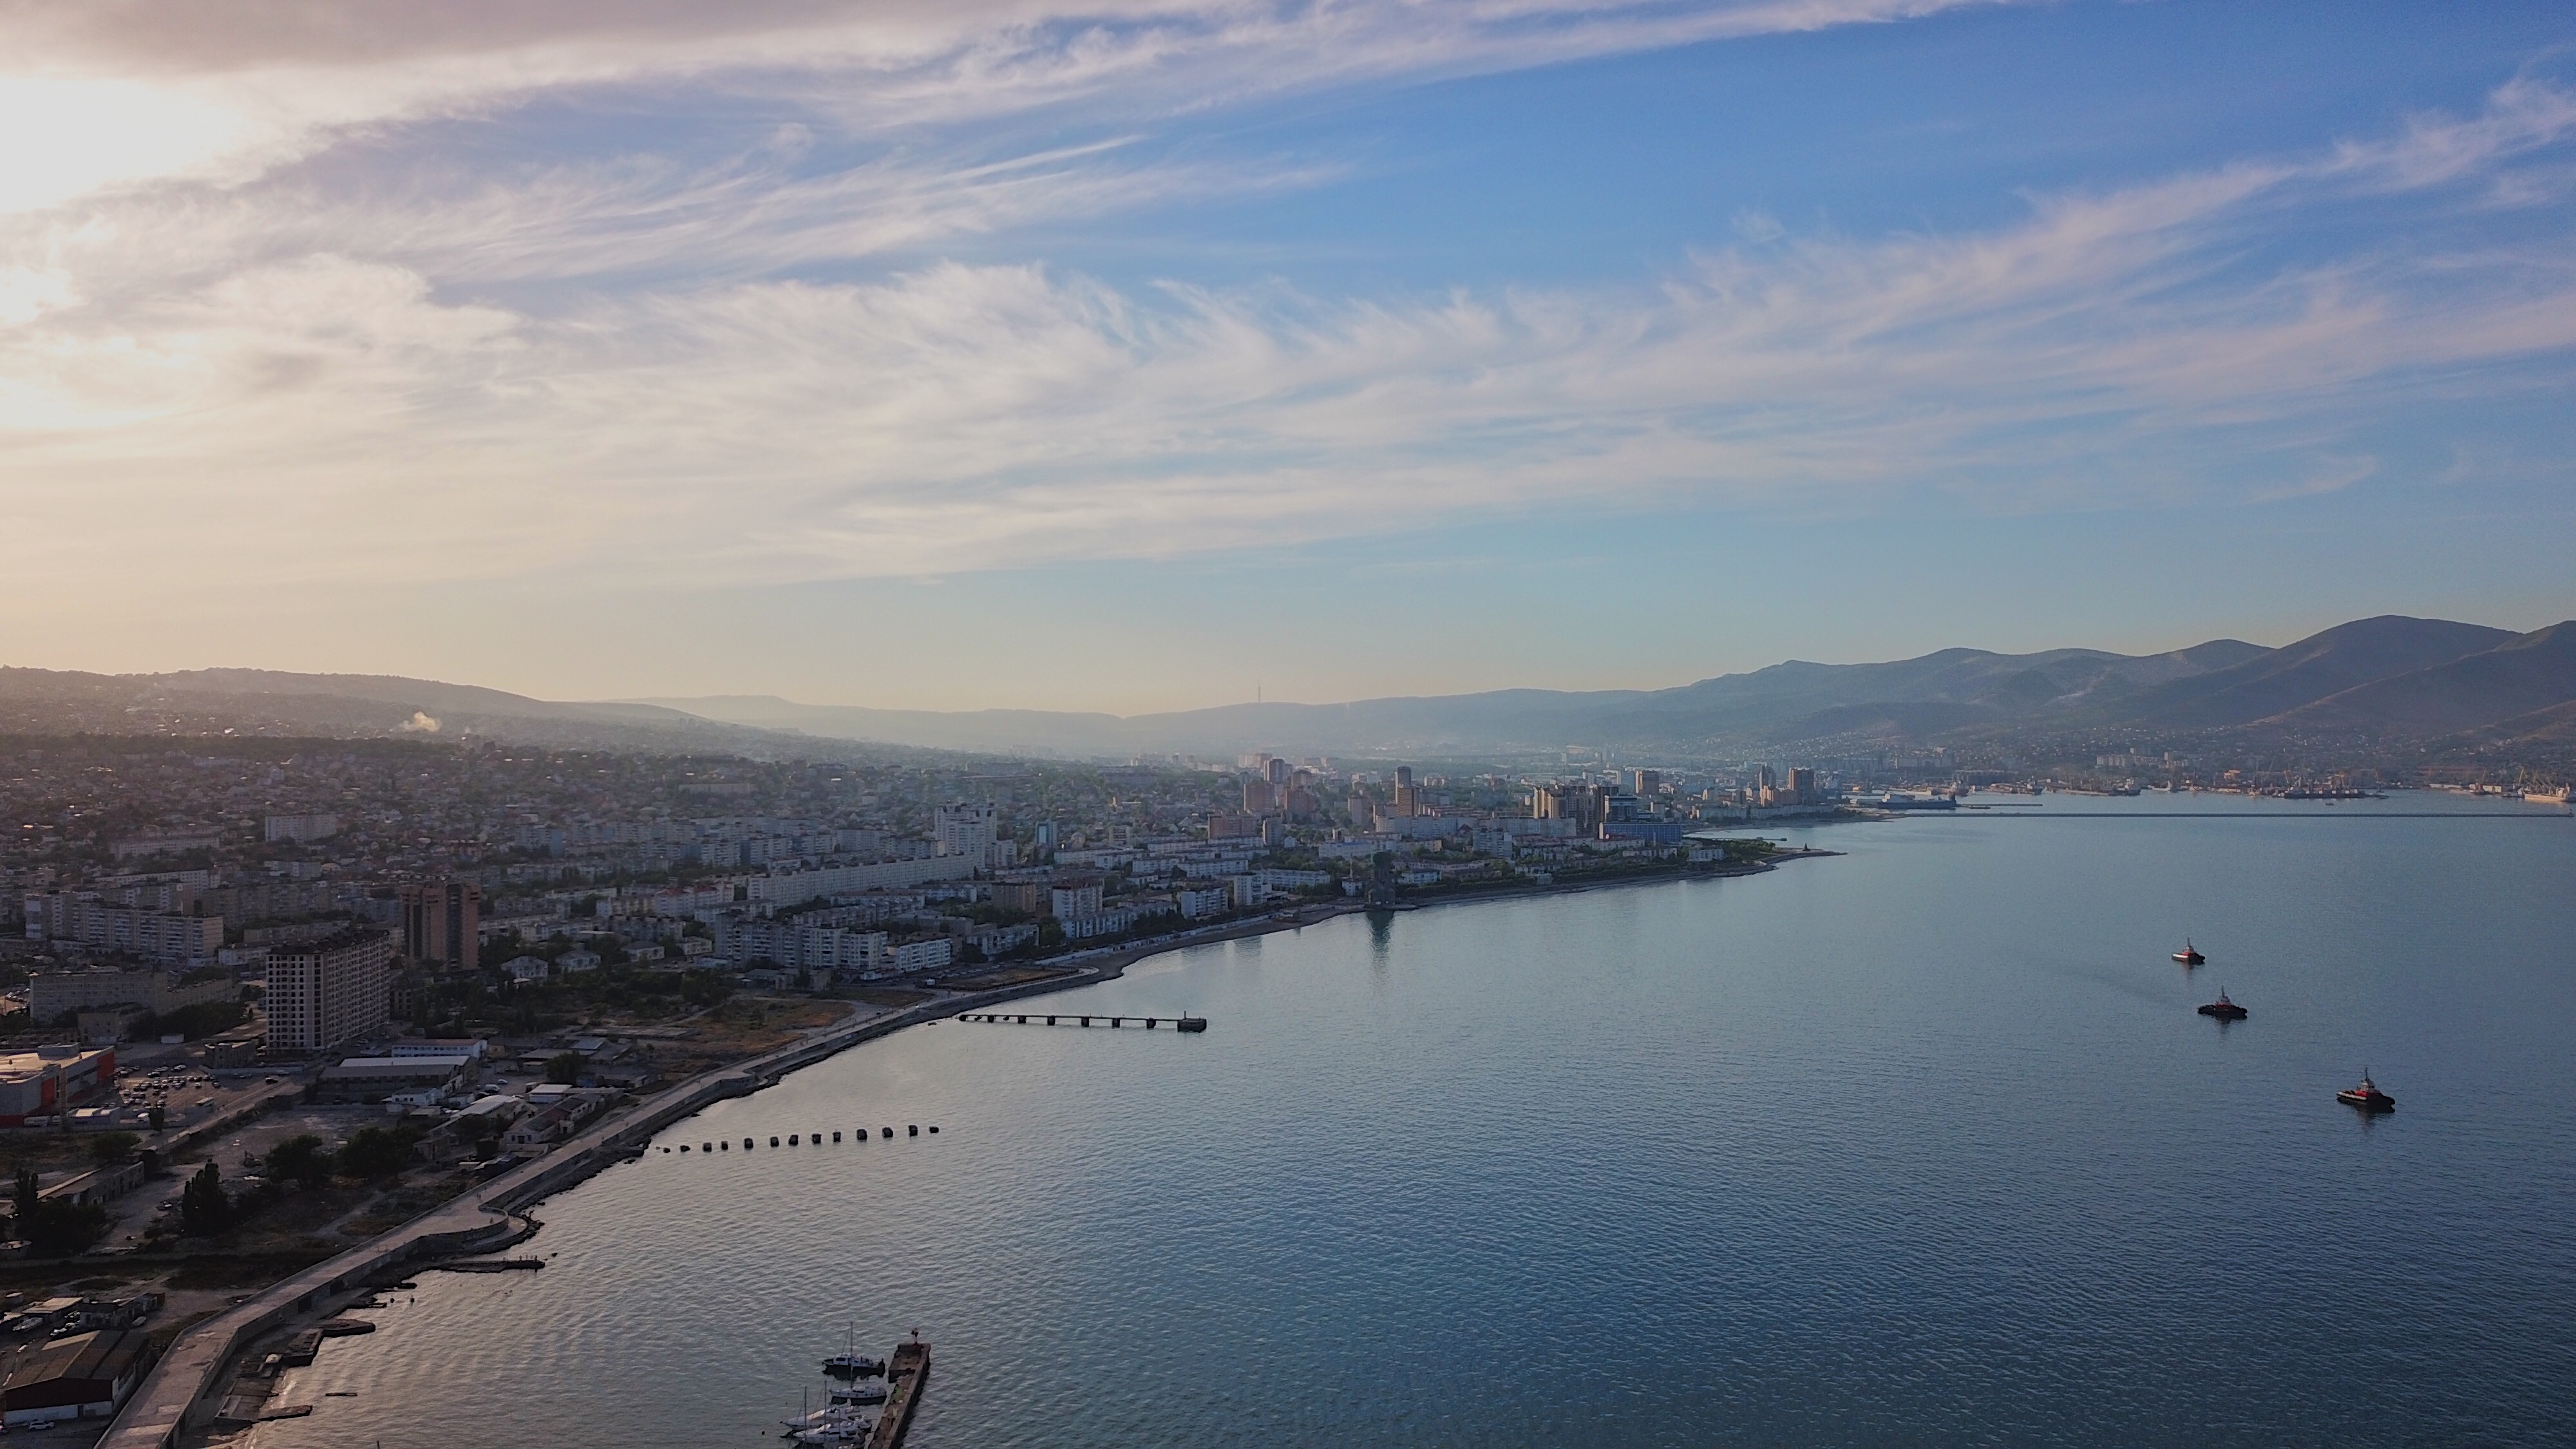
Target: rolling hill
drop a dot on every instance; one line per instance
(2390, 677)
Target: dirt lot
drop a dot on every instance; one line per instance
(742, 1027)
(997, 980)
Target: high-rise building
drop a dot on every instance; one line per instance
(301, 827)
(442, 924)
(328, 991)
(1645, 783)
(1278, 770)
(1408, 798)
(967, 829)
(1259, 797)
(1802, 784)
(1584, 804)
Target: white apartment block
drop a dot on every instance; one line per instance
(301, 827)
(84, 920)
(797, 887)
(929, 953)
(51, 993)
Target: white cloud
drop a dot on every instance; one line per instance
(154, 90)
(306, 370)
(338, 418)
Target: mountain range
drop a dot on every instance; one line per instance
(2390, 678)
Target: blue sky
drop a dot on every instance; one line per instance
(1142, 355)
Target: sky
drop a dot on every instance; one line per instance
(1150, 354)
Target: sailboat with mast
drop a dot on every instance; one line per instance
(852, 1364)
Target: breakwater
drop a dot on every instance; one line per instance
(906, 1375)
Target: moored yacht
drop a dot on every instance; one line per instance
(860, 1394)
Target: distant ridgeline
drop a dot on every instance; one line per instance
(2398, 690)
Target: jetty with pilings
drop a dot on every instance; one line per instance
(1067, 1018)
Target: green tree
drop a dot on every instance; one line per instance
(160, 1118)
(55, 1229)
(374, 1153)
(300, 1159)
(205, 1209)
(110, 1148)
(564, 1067)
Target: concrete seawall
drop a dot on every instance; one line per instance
(174, 1395)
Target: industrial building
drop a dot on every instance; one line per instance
(41, 1082)
(372, 1079)
(81, 1377)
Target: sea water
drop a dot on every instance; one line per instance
(1921, 1144)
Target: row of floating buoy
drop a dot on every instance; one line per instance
(795, 1139)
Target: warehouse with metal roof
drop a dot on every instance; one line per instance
(84, 1376)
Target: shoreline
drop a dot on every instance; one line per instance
(176, 1395)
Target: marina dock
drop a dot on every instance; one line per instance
(906, 1372)
(1062, 1018)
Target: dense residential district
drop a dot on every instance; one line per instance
(271, 997)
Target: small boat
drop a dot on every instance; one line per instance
(860, 1394)
(2224, 1009)
(2187, 955)
(2367, 1097)
(831, 1418)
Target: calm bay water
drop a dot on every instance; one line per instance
(1922, 1145)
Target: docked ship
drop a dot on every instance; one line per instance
(2187, 955)
(2367, 1096)
(2224, 1009)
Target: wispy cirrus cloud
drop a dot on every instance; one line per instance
(127, 93)
(337, 414)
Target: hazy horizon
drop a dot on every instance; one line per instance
(1041, 706)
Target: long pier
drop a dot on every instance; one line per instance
(1068, 1018)
(906, 1372)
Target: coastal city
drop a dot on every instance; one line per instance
(270, 998)
(1636, 723)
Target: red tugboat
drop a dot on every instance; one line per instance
(2367, 1097)
(2224, 1009)
(2187, 955)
